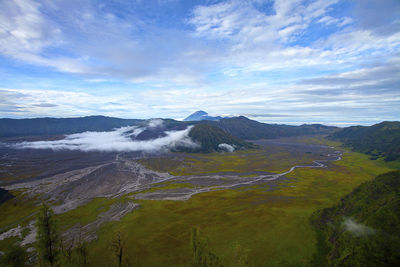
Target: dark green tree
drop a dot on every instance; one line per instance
(202, 256)
(363, 229)
(14, 256)
(47, 238)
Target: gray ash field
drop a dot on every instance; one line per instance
(72, 178)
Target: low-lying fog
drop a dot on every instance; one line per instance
(120, 139)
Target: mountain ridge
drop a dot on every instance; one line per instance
(241, 127)
(378, 140)
(245, 128)
(56, 126)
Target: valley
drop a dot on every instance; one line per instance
(258, 198)
(223, 133)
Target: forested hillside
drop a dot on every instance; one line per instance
(364, 228)
(379, 140)
(245, 128)
(211, 137)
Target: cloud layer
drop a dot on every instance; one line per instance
(120, 140)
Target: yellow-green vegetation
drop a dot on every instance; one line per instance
(391, 164)
(17, 211)
(86, 213)
(269, 221)
(363, 228)
(166, 186)
(160, 164)
(276, 160)
(7, 242)
(272, 225)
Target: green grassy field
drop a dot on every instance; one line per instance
(273, 160)
(272, 225)
(18, 210)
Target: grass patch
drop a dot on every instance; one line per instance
(17, 211)
(272, 225)
(87, 213)
(8, 242)
(272, 160)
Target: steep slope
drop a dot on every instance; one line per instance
(379, 140)
(211, 137)
(5, 195)
(364, 228)
(53, 126)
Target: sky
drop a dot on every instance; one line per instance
(276, 61)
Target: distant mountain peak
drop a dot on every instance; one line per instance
(201, 115)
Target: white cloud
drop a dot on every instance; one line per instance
(328, 20)
(226, 147)
(232, 56)
(29, 104)
(242, 22)
(85, 39)
(226, 36)
(118, 140)
(357, 228)
(23, 29)
(345, 21)
(155, 123)
(265, 42)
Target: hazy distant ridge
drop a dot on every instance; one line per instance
(54, 126)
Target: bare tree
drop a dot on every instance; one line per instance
(47, 236)
(67, 249)
(82, 250)
(118, 247)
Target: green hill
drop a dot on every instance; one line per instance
(379, 140)
(364, 228)
(245, 128)
(210, 137)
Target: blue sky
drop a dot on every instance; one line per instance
(283, 61)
